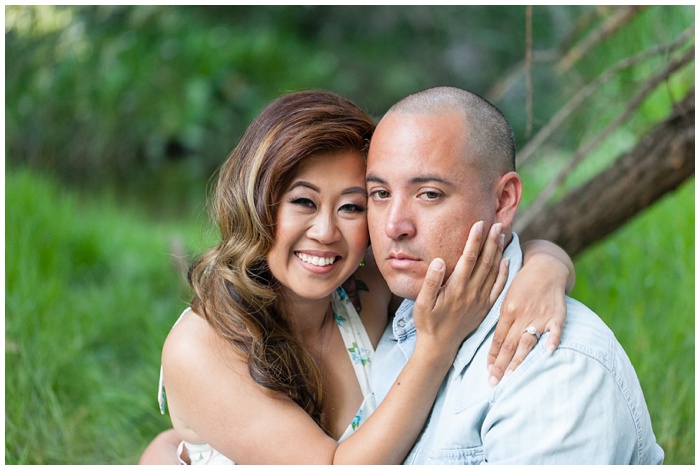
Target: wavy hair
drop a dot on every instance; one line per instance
(233, 288)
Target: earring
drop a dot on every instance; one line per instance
(362, 263)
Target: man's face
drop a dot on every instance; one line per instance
(424, 196)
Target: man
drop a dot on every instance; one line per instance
(439, 161)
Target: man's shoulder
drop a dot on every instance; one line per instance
(586, 335)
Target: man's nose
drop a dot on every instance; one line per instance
(399, 224)
(324, 229)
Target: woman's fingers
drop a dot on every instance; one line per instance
(525, 344)
(554, 327)
(478, 262)
(494, 281)
(470, 255)
(427, 297)
(500, 280)
(516, 342)
(486, 270)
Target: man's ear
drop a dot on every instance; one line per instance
(509, 189)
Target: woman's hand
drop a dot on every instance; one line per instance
(446, 315)
(536, 298)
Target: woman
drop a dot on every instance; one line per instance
(270, 364)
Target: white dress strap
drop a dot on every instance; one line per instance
(161, 382)
(361, 353)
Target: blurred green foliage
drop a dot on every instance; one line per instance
(127, 93)
(138, 105)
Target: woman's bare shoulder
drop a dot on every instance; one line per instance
(213, 398)
(193, 344)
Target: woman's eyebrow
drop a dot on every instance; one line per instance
(313, 187)
(356, 190)
(304, 184)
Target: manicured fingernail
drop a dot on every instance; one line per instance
(550, 348)
(490, 366)
(493, 381)
(508, 372)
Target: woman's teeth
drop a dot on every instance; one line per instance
(315, 260)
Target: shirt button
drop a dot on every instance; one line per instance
(401, 323)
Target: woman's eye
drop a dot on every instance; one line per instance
(352, 208)
(303, 202)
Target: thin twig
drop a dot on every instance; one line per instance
(583, 22)
(510, 78)
(528, 70)
(565, 111)
(606, 29)
(586, 149)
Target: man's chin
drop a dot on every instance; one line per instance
(404, 288)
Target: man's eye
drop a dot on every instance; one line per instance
(380, 194)
(430, 195)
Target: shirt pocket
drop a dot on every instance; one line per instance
(465, 456)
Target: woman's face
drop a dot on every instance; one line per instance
(321, 232)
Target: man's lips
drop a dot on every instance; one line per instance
(403, 261)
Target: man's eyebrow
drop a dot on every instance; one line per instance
(375, 179)
(431, 179)
(414, 180)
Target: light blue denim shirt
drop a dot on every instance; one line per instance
(580, 405)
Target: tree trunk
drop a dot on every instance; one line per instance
(660, 162)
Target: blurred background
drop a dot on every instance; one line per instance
(117, 117)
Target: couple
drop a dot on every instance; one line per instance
(271, 364)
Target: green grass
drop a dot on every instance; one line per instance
(91, 294)
(641, 282)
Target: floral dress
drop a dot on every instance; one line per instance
(359, 349)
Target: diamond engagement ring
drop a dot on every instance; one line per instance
(533, 331)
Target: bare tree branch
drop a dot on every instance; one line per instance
(584, 21)
(511, 77)
(565, 111)
(624, 16)
(528, 68)
(585, 150)
(660, 162)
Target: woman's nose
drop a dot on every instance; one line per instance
(324, 229)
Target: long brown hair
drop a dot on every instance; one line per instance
(233, 287)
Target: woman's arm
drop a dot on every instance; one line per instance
(162, 450)
(210, 389)
(536, 297)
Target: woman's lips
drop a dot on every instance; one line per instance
(318, 262)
